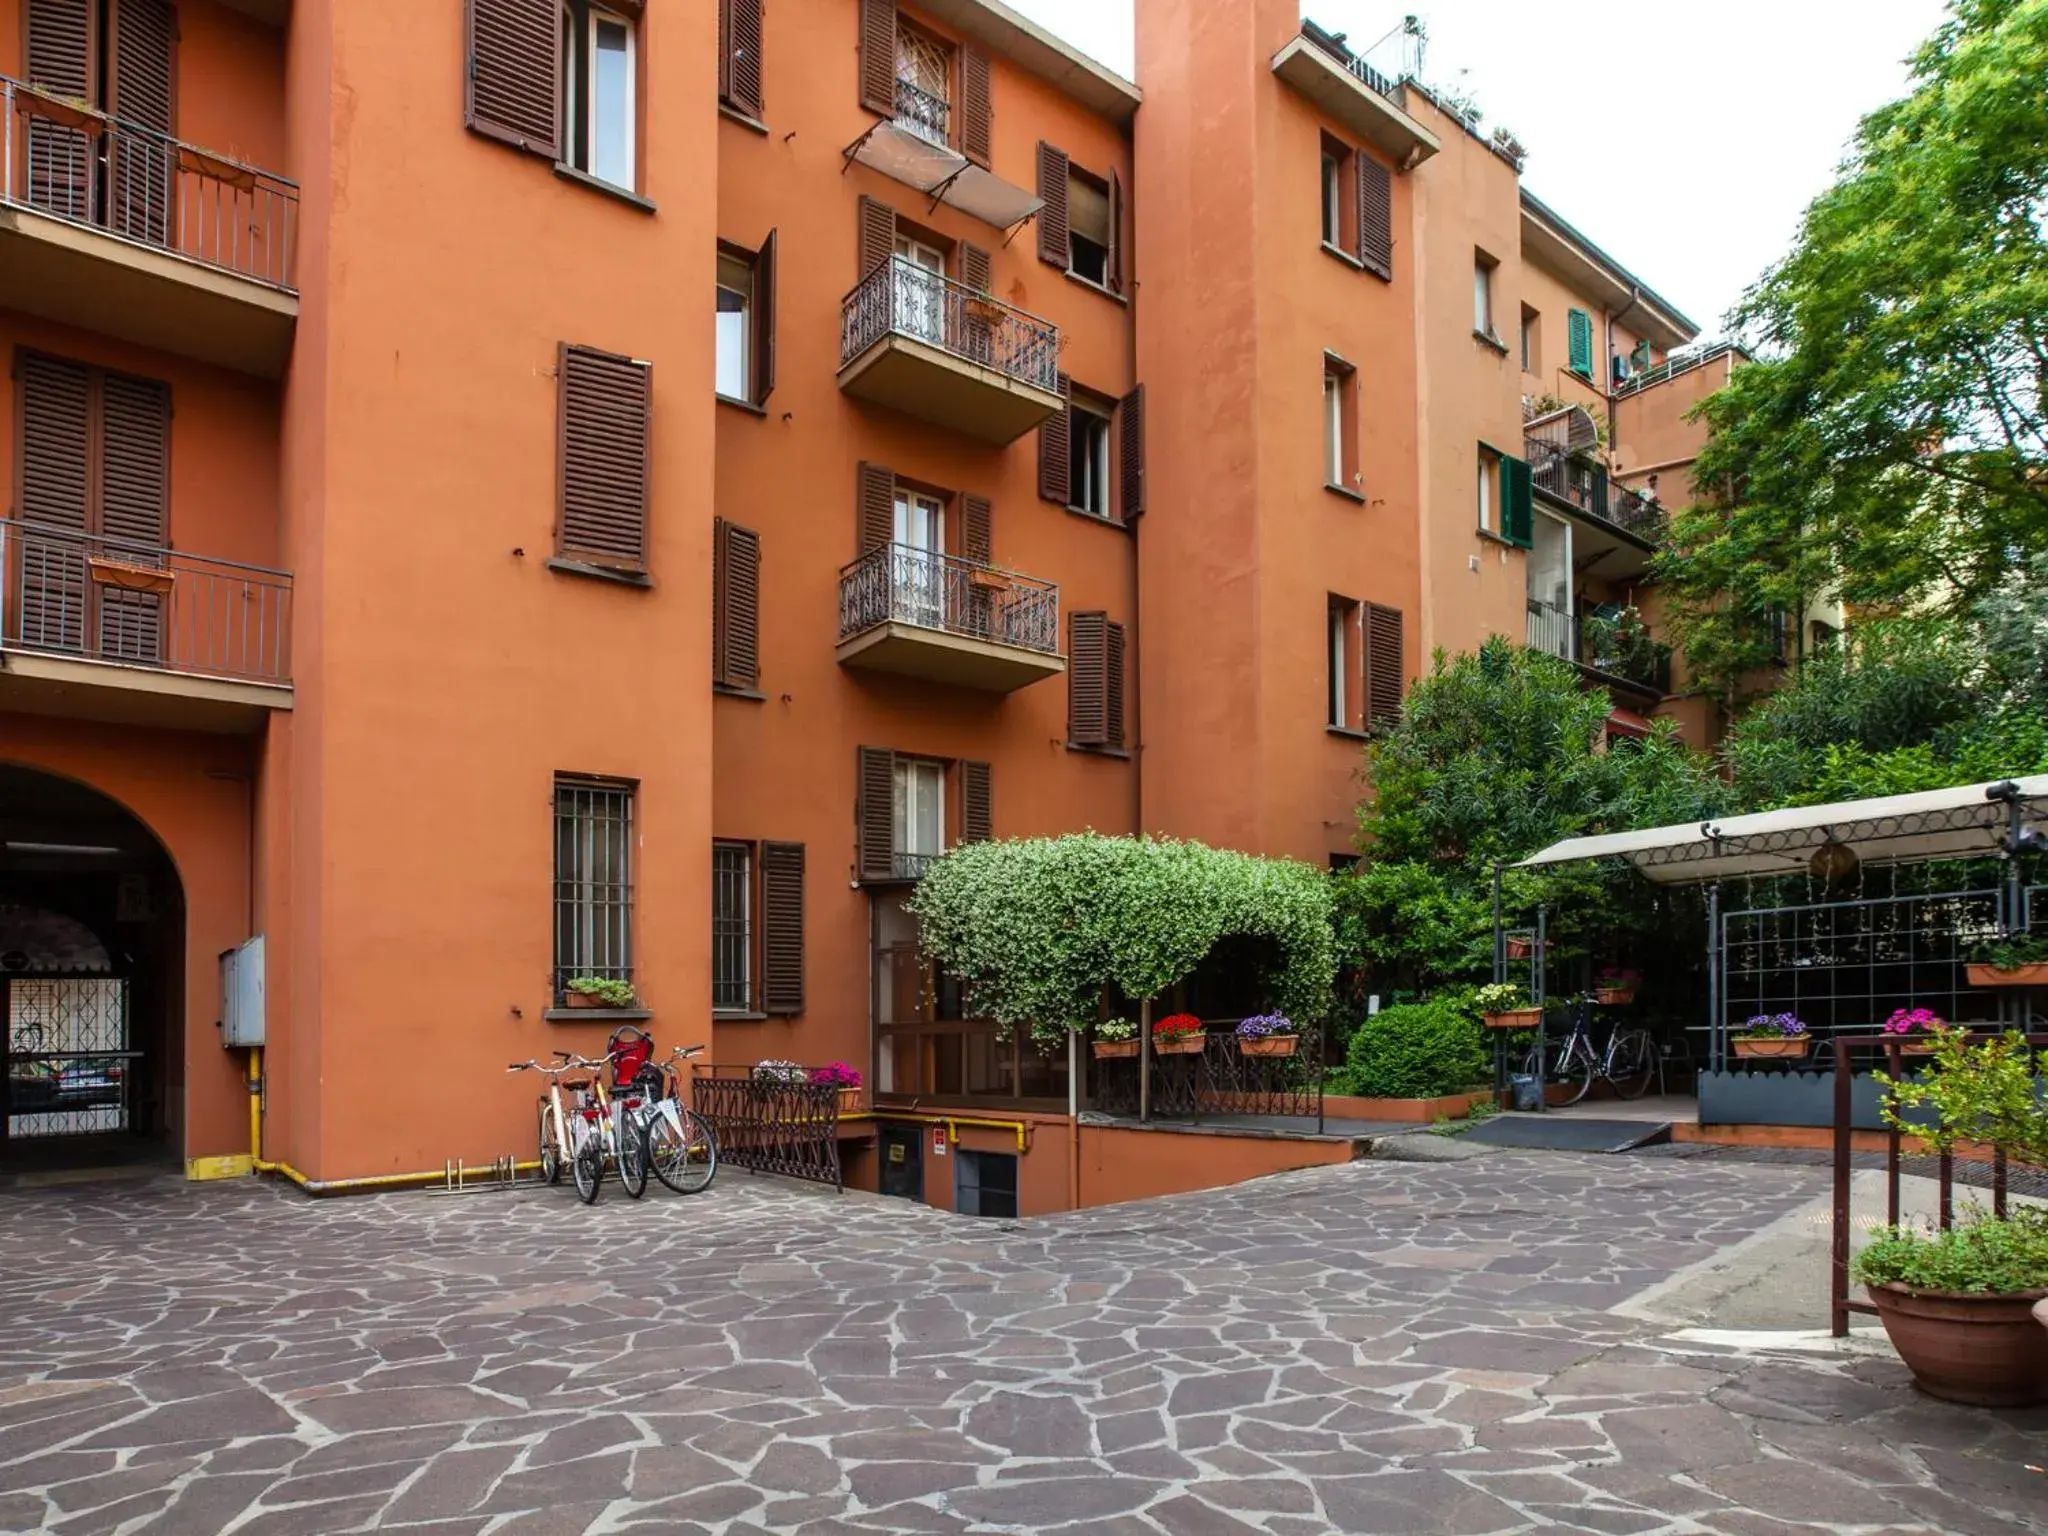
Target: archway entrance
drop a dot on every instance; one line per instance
(92, 935)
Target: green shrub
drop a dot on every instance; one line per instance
(1416, 1051)
(1985, 1256)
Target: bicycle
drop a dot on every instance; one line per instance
(557, 1144)
(678, 1143)
(1628, 1062)
(588, 1133)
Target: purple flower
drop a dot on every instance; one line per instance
(1260, 1025)
(1778, 1026)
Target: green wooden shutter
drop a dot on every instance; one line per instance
(1517, 502)
(1582, 343)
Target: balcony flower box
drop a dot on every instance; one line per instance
(1784, 1048)
(852, 1101)
(1181, 1045)
(982, 579)
(984, 310)
(583, 1000)
(1179, 1034)
(1114, 1050)
(1513, 1018)
(1615, 997)
(1269, 1045)
(2033, 974)
(128, 577)
(1267, 1034)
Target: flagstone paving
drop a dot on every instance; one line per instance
(1377, 1348)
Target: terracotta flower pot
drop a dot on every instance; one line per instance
(1520, 949)
(1179, 1045)
(1921, 1046)
(1614, 997)
(1988, 1351)
(1514, 1018)
(584, 1000)
(2035, 975)
(1267, 1045)
(850, 1101)
(1115, 1050)
(1793, 1049)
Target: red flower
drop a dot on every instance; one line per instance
(1175, 1025)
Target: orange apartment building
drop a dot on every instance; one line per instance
(406, 423)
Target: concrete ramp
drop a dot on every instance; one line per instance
(1573, 1133)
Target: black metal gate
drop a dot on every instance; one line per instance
(1218, 1081)
(70, 1061)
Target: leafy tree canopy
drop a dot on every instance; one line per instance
(1889, 441)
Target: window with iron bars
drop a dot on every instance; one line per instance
(593, 879)
(732, 927)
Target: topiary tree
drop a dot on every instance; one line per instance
(1038, 928)
(1417, 1051)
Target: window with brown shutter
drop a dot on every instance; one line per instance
(876, 237)
(976, 276)
(739, 56)
(1113, 682)
(514, 83)
(735, 607)
(1130, 414)
(744, 342)
(977, 803)
(1113, 275)
(874, 507)
(764, 320)
(139, 72)
(1052, 218)
(874, 813)
(1095, 681)
(1054, 437)
(977, 529)
(606, 408)
(1375, 216)
(782, 929)
(977, 119)
(1385, 672)
(878, 56)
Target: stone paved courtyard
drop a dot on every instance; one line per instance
(1378, 1348)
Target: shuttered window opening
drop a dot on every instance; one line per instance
(596, 94)
(744, 338)
(874, 507)
(977, 803)
(1130, 414)
(876, 241)
(739, 56)
(874, 813)
(1055, 437)
(977, 118)
(732, 927)
(142, 173)
(1088, 227)
(782, 929)
(515, 64)
(1385, 669)
(1375, 216)
(594, 857)
(606, 403)
(1095, 681)
(878, 56)
(1518, 502)
(1579, 333)
(735, 607)
(1052, 192)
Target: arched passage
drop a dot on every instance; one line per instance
(92, 974)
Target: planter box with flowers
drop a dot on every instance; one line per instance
(1503, 1005)
(1115, 1040)
(1267, 1034)
(598, 992)
(2017, 960)
(1773, 1037)
(1178, 1034)
(852, 1100)
(1916, 1030)
(1616, 988)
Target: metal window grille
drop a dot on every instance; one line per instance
(593, 880)
(68, 1062)
(732, 926)
(924, 69)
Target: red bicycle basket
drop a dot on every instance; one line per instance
(629, 1052)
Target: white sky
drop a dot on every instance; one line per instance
(1684, 138)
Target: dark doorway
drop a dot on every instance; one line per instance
(92, 930)
(903, 1162)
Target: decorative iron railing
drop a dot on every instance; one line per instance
(142, 605)
(1552, 630)
(67, 1068)
(899, 583)
(771, 1124)
(920, 112)
(1218, 1080)
(1671, 368)
(900, 298)
(63, 158)
(1583, 484)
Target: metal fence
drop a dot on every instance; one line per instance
(770, 1125)
(69, 1065)
(901, 298)
(899, 583)
(1671, 368)
(1583, 484)
(67, 160)
(1356, 67)
(1218, 1081)
(105, 599)
(920, 112)
(1552, 630)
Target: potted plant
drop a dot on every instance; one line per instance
(1775, 1036)
(598, 992)
(1115, 1039)
(776, 1071)
(1962, 1306)
(1503, 1005)
(1615, 988)
(1915, 1029)
(847, 1080)
(985, 308)
(1178, 1034)
(2012, 960)
(1267, 1034)
(1520, 948)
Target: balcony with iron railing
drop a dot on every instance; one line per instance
(1619, 530)
(1609, 653)
(924, 614)
(920, 112)
(116, 629)
(121, 229)
(919, 342)
(1319, 65)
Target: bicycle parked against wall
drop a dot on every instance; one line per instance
(590, 1129)
(680, 1146)
(1629, 1060)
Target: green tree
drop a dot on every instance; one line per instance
(1887, 443)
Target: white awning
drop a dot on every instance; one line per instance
(1969, 821)
(939, 171)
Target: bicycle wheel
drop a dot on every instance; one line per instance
(682, 1152)
(1567, 1072)
(632, 1154)
(550, 1149)
(588, 1168)
(1631, 1063)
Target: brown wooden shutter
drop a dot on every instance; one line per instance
(878, 56)
(1052, 218)
(59, 56)
(1375, 215)
(1113, 682)
(1384, 668)
(977, 529)
(514, 90)
(139, 80)
(1113, 265)
(134, 503)
(875, 813)
(977, 803)
(877, 235)
(764, 320)
(1055, 447)
(1130, 412)
(739, 55)
(974, 267)
(606, 406)
(874, 507)
(735, 606)
(782, 928)
(977, 119)
(1088, 679)
(975, 275)
(53, 465)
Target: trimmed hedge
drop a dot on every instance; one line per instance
(1416, 1051)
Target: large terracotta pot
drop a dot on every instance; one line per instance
(1988, 1351)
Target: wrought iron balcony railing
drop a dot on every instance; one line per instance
(899, 298)
(65, 159)
(901, 584)
(67, 593)
(1552, 630)
(1583, 484)
(1592, 644)
(918, 111)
